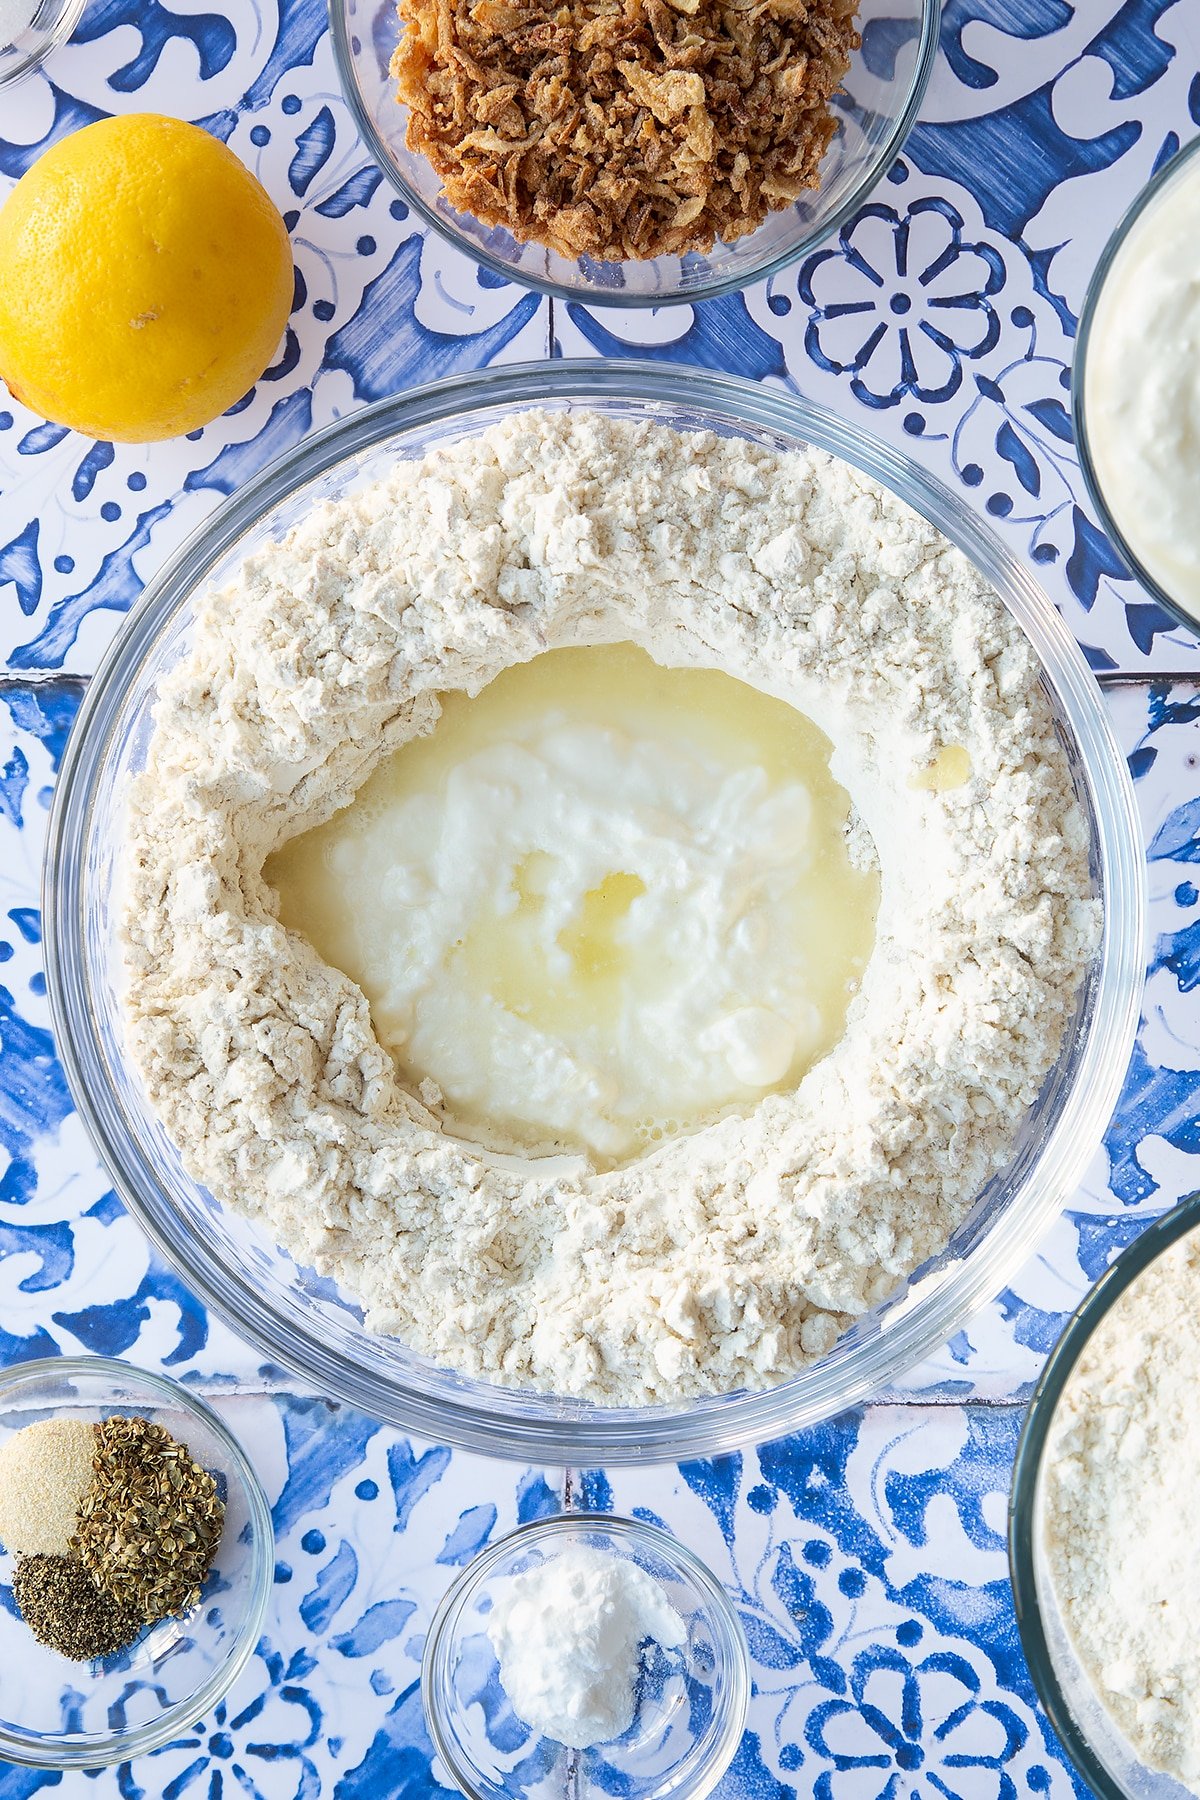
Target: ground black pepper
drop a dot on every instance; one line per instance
(64, 1608)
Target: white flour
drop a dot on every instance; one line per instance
(568, 1637)
(727, 1258)
(1121, 1475)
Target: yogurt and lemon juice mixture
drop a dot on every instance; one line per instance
(1142, 387)
(600, 902)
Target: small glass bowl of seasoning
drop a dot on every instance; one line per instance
(137, 1561)
(29, 31)
(590, 1655)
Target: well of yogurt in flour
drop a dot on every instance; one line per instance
(1142, 387)
(598, 904)
(569, 1636)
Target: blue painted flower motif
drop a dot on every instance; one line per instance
(257, 1749)
(914, 1728)
(901, 302)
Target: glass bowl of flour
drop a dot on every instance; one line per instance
(303, 1318)
(590, 1649)
(1102, 1524)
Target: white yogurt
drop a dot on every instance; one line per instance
(1142, 388)
(599, 903)
(568, 1636)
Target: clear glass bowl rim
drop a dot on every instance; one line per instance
(537, 1427)
(569, 1525)
(52, 39)
(1145, 198)
(119, 1746)
(1087, 1318)
(931, 16)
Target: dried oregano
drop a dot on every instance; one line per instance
(151, 1521)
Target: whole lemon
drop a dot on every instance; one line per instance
(145, 280)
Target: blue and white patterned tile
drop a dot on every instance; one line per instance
(379, 306)
(76, 1274)
(929, 328)
(885, 1666)
(942, 317)
(866, 1558)
(1035, 133)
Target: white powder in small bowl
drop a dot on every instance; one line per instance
(1121, 1474)
(45, 1471)
(568, 1636)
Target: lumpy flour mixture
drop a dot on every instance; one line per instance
(1122, 1467)
(728, 1257)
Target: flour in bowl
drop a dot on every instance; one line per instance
(734, 1254)
(1122, 1467)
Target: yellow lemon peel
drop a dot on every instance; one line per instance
(145, 280)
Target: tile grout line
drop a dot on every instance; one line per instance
(212, 1388)
(1104, 678)
(10, 678)
(1112, 678)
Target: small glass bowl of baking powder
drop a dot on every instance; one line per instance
(1101, 1753)
(29, 31)
(688, 1700)
(58, 1714)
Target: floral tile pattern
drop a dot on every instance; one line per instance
(867, 1561)
(370, 1531)
(866, 1555)
(942, 316)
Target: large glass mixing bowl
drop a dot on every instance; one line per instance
(302, 1321)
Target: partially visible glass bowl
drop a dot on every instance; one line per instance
(1107, 504)
(56, 1714)
(305, 1322)
(691, 1702)
(51, 25)
(1101, 1753)
(875, 110)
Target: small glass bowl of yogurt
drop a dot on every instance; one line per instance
(1135, 389)
(1098, 1408)
(660, 1657)
(29, 31)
